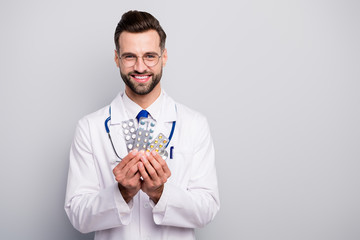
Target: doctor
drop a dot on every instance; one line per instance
(123, 194)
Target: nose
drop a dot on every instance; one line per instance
(140, 66)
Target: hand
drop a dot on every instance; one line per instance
(155, 173)
(127, 175)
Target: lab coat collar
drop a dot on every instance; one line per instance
(118, 113)
(166, 114)
(132, 108)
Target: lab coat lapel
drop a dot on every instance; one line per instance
(118, 115)
(167, 116)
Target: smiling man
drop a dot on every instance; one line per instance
(164, 187)
(142, 78)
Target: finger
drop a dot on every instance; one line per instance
(149, 168)
(156, 165)
(135, 159)
(136, 177)
(132, 171)
(127, 159)
(123, 167)
(162, 163)
(132, 162)
(142, 171)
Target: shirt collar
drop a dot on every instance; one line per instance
(132, 108)
(163, 109)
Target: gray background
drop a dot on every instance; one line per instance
(278, 81)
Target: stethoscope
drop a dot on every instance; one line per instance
(112, 144)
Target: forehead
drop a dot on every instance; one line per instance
(148, 41)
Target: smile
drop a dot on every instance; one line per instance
(141, 78)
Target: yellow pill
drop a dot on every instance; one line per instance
(160, 137)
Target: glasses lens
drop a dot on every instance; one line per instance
(151, 59)
(128, 60)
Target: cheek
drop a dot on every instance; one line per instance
(123, 74)
(124, 71)
(158, 69)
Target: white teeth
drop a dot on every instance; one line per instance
(141, 77)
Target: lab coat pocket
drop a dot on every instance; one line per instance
(180, 167)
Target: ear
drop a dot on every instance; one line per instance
(116, 58)
(164, 57)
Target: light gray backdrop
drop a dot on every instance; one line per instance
(278, 81)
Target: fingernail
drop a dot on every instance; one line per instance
(147, 154)
(140, 153)
(134, 151)
(153, 153)
(143, 158)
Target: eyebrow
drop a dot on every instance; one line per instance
(127, 53)
(130, 53)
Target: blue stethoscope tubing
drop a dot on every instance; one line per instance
(108, 131)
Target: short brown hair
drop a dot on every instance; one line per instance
(138, 22)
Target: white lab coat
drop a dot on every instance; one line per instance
(190, 197)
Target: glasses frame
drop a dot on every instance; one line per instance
(142, 57)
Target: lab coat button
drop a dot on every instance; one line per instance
(146, 205)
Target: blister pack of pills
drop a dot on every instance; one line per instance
(144, 133)
(158, 144)
(142, 138)
(129, 131)
(138, 138)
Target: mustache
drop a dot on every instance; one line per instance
(142, 73)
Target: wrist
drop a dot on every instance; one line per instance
(156, 195)
(124, 193)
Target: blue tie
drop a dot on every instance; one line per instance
(142, 113)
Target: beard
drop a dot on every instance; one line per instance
(141, 88)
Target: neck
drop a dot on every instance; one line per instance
(144, 101)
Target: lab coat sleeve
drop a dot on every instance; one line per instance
(88, 206)
(197, 205)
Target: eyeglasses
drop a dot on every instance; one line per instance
(149, 59)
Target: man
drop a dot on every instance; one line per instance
(121, 192)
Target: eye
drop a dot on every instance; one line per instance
(150, 56)
(129, 57)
